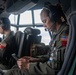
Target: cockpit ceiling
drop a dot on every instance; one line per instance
(9, 5)
(65, 3)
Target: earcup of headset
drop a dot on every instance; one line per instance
(54, 14)
(51, 17)
(5, 27)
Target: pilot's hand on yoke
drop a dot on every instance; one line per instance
(23, 63)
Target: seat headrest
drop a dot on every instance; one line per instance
(29, 30)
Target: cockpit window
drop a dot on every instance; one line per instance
(25, 18)
(37, 19)
(45, 39)
(13, 19)
(30, 18)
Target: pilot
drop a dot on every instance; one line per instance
(7, 45)
(55, 22)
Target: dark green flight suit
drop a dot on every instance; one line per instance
(49, 67)
(6, 53)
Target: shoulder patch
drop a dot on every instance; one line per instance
(64, 40)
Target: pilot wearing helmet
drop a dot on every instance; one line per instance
(54, 21)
